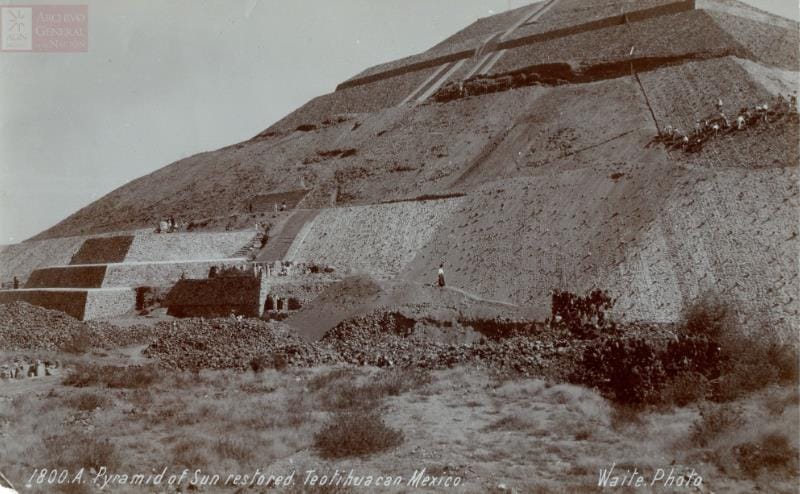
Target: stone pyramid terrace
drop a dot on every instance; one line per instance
(101, 278)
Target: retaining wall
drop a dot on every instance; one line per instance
(22, 259)
(72, 302)
(81, 304)
(160, 273)
(368, 96)
(86, 276)
(525, 35)
(569, 17)
(217, 297)
(687, 33)
(726, 234)
(380, 240)
(109, 302)
(103, 250)
(187, 246)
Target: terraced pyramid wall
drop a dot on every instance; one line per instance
(559, 182)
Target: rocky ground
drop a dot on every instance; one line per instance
(389, 337)
(27, 327)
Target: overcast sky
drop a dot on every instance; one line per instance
(166, 79)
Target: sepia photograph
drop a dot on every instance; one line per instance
(357, 246)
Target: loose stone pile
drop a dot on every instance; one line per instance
(390, 339)
(227, 343)
(27, 327)
(383, 338)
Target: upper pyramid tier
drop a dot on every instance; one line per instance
(596, 31)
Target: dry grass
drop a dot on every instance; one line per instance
(88, 401)
(133, 377)
(227, 421)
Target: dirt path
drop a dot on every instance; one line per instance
(477, 298)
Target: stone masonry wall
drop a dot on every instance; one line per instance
(726, 234)
(71, 302)
(380, 240)
(217, 297)
(187, 246)
(87, 276)
(109, 302)
(160, 273)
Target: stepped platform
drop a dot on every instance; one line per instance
(80, 303)
(20, 260)
(124, 274)
(103, 272)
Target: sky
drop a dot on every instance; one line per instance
(162, 80)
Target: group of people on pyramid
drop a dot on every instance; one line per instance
(713, 126)
(167, 225)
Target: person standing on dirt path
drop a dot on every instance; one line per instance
(441, 275)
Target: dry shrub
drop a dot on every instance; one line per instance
(297, 411)
(750, 364)
(258, 387)
(709, 315)
(624, 416)
(715, 419)
(777, 399)
(342, 393)
(81, 450)
(133, 377)
(189, 453)
(322, 381)
(746, 363)
(399, 381)
(350, 434)
(772, 451)
(640, 371)
(140, 397)
(234, 450)
(583, 433)
(509, 423)
(685, 388)
(88, 401)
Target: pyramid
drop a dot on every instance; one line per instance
(519, 152)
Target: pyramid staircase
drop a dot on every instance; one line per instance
(278, 247)
(247, 249)
(487, 56)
